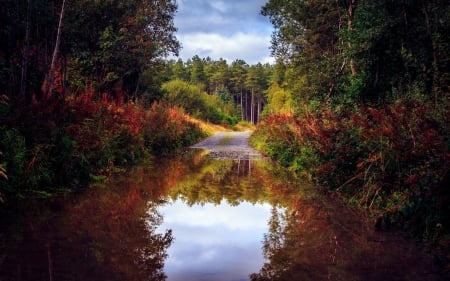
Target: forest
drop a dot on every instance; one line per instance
(79, 87)
(357, 101)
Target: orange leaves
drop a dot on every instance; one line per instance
(363, 149)
(111, 132)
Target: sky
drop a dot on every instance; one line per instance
(214, 241)
(228, 29)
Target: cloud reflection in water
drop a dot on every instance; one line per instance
(214, 242)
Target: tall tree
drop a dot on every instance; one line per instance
(256, 83)
(237, 78)
(306, 36)
(398, 47)
(197, 71)
(48, 85)
(110, 43)
(26, 51)
(220, 77)
(129, 37)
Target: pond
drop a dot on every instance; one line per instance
(195, 218)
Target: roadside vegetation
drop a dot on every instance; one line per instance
(359, 103)
(85, 91)
(80, 94)
(62, 145)
(358, 99)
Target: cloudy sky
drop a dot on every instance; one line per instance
(228, 29)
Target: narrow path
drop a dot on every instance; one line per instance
(232, 145)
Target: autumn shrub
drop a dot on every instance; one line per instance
(167, 129)
(64, 143)
(392, 160)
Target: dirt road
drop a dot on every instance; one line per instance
(232, 145)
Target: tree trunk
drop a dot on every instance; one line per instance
(434, 90)
(25, 55)
(246, 106)
(258, 112)
(350, 6)
(242, 109)
(47, 87)
(252, 102)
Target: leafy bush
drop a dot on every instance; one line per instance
(167, 129)
(60, 143)
(197, 102)
(14, 155)
(392, 160)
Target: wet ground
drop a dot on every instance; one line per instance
(230, 145)
(193, 217)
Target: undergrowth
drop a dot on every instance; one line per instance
(392, 160)
(63, 144)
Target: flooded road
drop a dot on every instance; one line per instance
(197, 218)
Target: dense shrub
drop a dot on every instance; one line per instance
(392, 160)
(199, 103)
(64, 143)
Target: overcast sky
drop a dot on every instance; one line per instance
(228, 29)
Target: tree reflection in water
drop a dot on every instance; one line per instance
(103, 234)
(111, 233)
(317, 238)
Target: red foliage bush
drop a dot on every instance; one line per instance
(390, 159)
(67, 140)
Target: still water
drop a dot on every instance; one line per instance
(196, 218)
(214, 241)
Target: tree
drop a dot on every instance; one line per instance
(399, 47)
(179, 70)
(238, 73)
(47, 87)
(130, 37)
(306, 37)
(104, 44)
(220, 77)
(256, 83)
(197, 71)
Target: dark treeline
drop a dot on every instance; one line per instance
(111, 47)
(359, 102)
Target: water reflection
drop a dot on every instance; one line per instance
(218, 215)
(318, 239)
(214, 241)
(87, 242)
(203, 219)
(107, 233)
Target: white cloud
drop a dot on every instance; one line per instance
(220, 6)
(232, 29)
(214, 241)
(252, 48)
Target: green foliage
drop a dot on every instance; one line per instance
(241, 87)
(369, 106)
(390, 160)
(106, 44)
(167, 129)
(45, 152)
(279, 100)
(198, 103)
(395, 46)
(14, 155)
